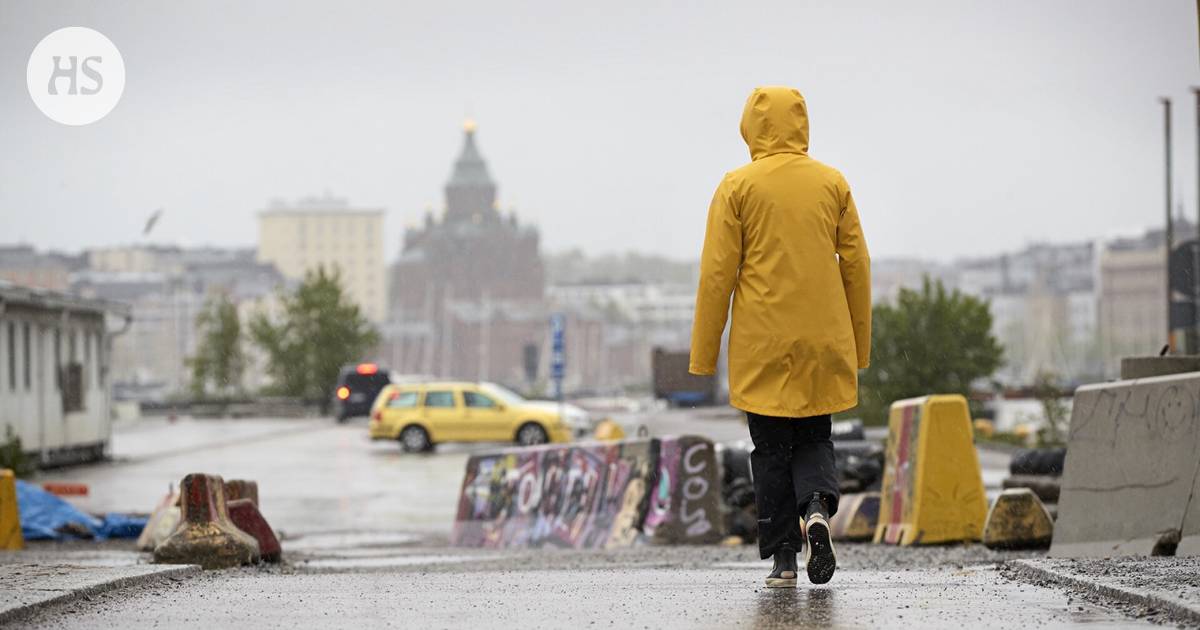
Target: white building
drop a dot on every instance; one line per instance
(55, 354)
(327, 232)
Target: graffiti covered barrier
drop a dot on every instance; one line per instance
(685, 502)
(578, 496)
(591, 495)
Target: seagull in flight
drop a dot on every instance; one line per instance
(151, 221)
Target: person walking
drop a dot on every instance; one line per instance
(784, 239)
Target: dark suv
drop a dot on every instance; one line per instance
(357, 386)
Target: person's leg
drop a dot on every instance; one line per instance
(814, 475)
(814, 465)
(771, 465)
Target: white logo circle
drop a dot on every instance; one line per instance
(75, 76)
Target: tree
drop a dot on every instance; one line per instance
(1048, 391)
(320, 330)
(219, 361)
(932, 341)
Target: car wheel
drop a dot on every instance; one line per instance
(531, 434)
(414, 439)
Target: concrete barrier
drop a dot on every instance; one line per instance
(685, 504)
(205, 535)
(11, 538)
(1018, 520)
(932, 489)
(163, 520)
(856, 518)
(245, 515)
(583, 496)
(1131, 481)
(591, 495)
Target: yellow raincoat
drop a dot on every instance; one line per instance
(784, 238)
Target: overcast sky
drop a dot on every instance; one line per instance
(964, 128)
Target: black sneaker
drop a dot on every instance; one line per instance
(783, 574)
(819, 558)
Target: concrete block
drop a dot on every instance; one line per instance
(1130, 481)
(685, 503)
(11, 538)
(205, 535)
(241, 489)
(1018, 520)
(856, 518)
(582, 496)
(1149, 367)
(932, 488)
(163, 520)
(245, 515)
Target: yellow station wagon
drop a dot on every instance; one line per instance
(424, 414)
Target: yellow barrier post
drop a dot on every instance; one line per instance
(10, 517)
(932, 489)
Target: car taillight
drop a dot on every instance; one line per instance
(377, 415)
(343, 392)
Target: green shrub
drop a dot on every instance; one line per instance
(12, 454)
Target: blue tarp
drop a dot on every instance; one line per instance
(47, 517)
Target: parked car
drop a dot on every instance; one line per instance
(356, 389)
(421, 415)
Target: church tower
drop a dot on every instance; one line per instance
(470, 193)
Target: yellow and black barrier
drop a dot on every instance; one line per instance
(10, 516)
(1018, 520)
(932, 489)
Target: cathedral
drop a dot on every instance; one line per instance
(467, 292)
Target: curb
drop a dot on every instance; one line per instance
(21, 611)
(1179, 611)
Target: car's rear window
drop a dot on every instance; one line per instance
(366, 382)
(403, 400)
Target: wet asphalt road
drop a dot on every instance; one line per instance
(365, 525)
(639, 588)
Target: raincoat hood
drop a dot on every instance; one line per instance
(775, 120)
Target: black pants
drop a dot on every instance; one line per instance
(793, 459)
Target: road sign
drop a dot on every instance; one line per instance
(558, 324)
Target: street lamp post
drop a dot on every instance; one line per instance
(1166, 102)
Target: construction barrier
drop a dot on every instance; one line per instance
(245, 515)
(1018, 520)
(163, 520)
(608, 430)
(1131, 480)
(10, 516)
(685, 505)
(856, 518)
(206, 536)
(932, 489)
(590, 495)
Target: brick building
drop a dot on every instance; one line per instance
(466, 294)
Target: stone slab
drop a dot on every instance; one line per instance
(1131, 472)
